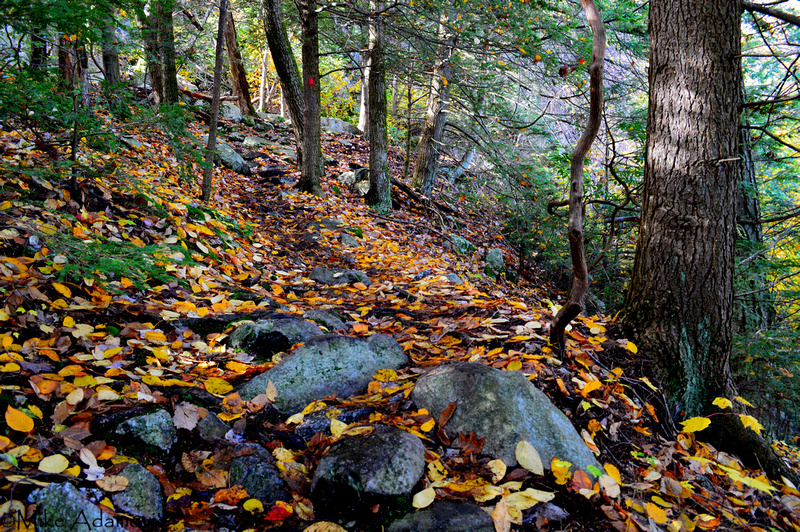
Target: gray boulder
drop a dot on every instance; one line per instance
(503, 407)
(62, 508)
(453, 278)
(143, 496)
(495, 263)
(230, 158)
(461, 245)
(445, 516)
(261, 144)
(266, 337)
(387, 461)
(253, 467)
(349, 240)
(154, 429)
(327, 365)
(332, 276)
(337, 125)
(254, 143)
(230, 111)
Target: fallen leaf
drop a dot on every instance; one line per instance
(528, 457)
(253, 506)
(18, 420)
(498, 469)
(112, 483)
(655, 513)
(695, 424)
(424, 498)
(55, 463)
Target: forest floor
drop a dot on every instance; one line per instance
(94, 282)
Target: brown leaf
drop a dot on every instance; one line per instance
(446, 414)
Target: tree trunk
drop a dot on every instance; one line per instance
(238, 74)
(580, 274)
(111, 56)
(66, 63)
(379, 196)
(680, 304)
(262, 88)
(363, 110)
(286, 68)
(211, 146)
(435, 115)
(150, 33)
(38, 60)
(167, 50)
(311, 169)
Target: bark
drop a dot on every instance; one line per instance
(379, 196)
(435, 115)
(262, 88)
(580, 274)
(166, 38)
(286, 68)
(110, 56)
(238, 74)
(66, 63)
(680, 306)
(38, 61)
(150, 32)
(211, 146)
(363, 110)
(311, 168)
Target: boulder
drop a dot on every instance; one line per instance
(327, 365)
(495, 263)
(453, 278)
(445, 516)
(261, 144)
(254, 469)
(212, 428)
(266, 337)
(230, 111)
(349, 241)
(333, 276)
(461, 245)
(357, 469)
(325, 318)
(337, 125)
(229, 158)
(155, 429)
(143, 496)
(320, 421)
(503, 407)
(62, 508)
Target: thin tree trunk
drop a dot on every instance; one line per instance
(363, 110)
(238, 74)
(211, 146)
(379, 196)
(680, 305)
(286, 68)
(395, 94)
(38, 60)
(262, 88)
(66, 62)
(167, 50)
(150, 33)
(580, 274)
(311, 169)
(435, 115)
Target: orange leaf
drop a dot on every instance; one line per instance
(18, 420)
(360, 328)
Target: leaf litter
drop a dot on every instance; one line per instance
(104, 295)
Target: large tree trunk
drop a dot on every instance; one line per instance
(380, 189)
(166, 40)
(311, 169)
(286, 68)
(680, 303)
(435, 115)
(238, 74)
(111, 56)
(150, 33)
(211, 145)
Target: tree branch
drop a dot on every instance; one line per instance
(780, 15)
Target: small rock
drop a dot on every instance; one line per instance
(230, 111)
(461, 245)
(349, 240)
(327, 365)
(549, 511)
(62, 508)
(453, 278)
(154, 429)
(229, 157)
(143, 496)
(337, 125)
(333, 276)
(386, 462)
(212, 428)
(325, 318)
(445, 516)
(495, 263)
(254, 469)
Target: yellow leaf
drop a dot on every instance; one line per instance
(36, 411)
(18, 420)
(613, 472)
(744, 401)
(360, 328)
(695, 424)
(385, 375)
(218, 386)
(498, 469)
(590, 387)
(424, 498)
(253, 506)
(428, 425)
(560, 469)
(648, 383)
(56, 464)
(69, 321)
(338, 428)
(528, 457)
(327, 526)
(751, 423)
(514, 365)
(630, 346)
(63, 290)
(656, 514)
(722, 403)
(524, 500)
